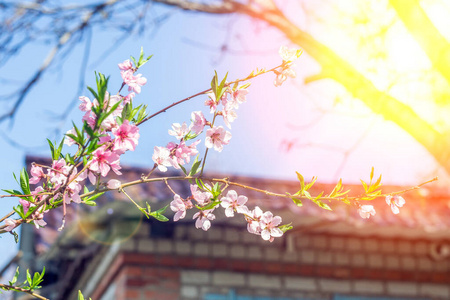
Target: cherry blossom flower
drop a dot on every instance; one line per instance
(228, 115)
(68, 140)
(217, 137)
(161, 157)
(37, 174)
(237, 97)
(232, 202)
(127, 136)
(105, 160)
(134, 82)
(180, 154)
(198, 122)
(113, 184)
(365, 211)
(283, 75)
(86, 104)
(59, 171)
(179, 131)
(269, 227)
(395, 202)
(204, 218)
(211, 102)
(126, 65)
(289, 55)
(253, 219)
(201, 197)
(128, 98)
(179, 206)
(10, 224)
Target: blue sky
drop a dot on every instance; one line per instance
(186, 51)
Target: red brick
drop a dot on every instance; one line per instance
(204, 263)
(131, 294)
(324, 271)
(238, 265)
(307, 270)
(133, 271)
(168, 260)
(255, 266)
(273, 267)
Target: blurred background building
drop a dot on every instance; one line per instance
(112, 251)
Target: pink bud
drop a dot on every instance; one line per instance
(114, 184)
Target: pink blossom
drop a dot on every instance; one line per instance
(86, 104)
(201, 197)
(68, 140)
(105, 160)
(59, 171)
(113, 184)
(110, 101)
(181, 154)
(37, 174)
(134, 82)
(211, 102)
(127, 136)
(26, 204)
(204, 218)
(128, 98)
(395, 202)
(179, 131)
(269, 227)
(228, 115)
(126, 65)
(281, 77)
(253, 219)
(10, 224)
(198, 122)
(289, 55)
(232, 202)
(237, 97)
(161, 157)
(365, 211)
(179, 206)
(217, 137)
(72, 193)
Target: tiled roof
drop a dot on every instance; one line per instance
(425, 214)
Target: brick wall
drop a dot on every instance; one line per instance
(193, 263)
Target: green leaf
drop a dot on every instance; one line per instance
(210, 205)
(364, 185)
(90, 203)
(25, 184)
(16, 275)
(285, 227)
(371, 174)
(194, 170)
(80, 295)
(30, 282)
(183, 169)
(302, 182)
(52, 148)
(92, 198)
(85, 190)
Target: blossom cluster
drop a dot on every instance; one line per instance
(396, 201)
(258, 222)
(178, 154)
(62, 180)
(288, 56)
